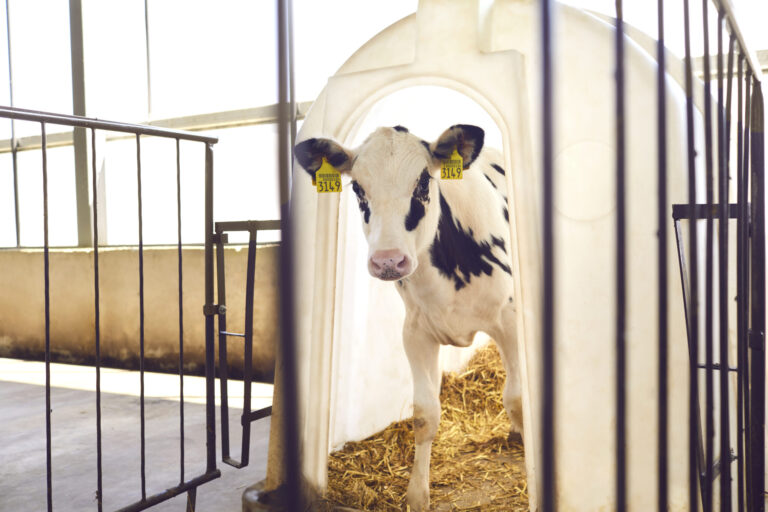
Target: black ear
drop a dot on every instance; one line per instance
(310, 155)
(467, 139)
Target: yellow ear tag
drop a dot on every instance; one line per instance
(451, 168)
(327, 178)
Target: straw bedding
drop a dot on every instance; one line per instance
(474, 465)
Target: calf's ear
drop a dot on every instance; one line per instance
(310, 155)
(466, 138)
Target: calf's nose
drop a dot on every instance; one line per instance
(389, 265)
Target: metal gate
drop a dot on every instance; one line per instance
(187, 484)
(748, 211)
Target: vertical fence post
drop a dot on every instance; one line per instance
(757, 337)
(96, 322)
(709, 432)
(748, 274)
(46, 270)
(548, 491)
(661, 215)
(210, 410)
(723, 138)
(181, 315)
(141, 321)
(693, 320)
(621, 274)
(289, 379)
(741, 240)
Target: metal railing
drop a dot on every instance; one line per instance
(188, 485)
(749, 215)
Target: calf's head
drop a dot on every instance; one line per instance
(394, 176)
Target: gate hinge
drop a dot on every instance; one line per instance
(757, 340)
(219, 238)
(214, 309)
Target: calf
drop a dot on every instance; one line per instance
(445, 243)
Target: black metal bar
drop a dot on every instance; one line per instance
(740, 283)
(717, 367)
(181, 314)
(722, 172)
(86, 122)
(191, 499)
(700, 211)
(709, 408)
(210, 410)
(661, 115)
(141, 320)
(287, 264)
(747, 273)
(248, 417)
(693, 321)
(221, 299)
(621, 275)
(46, 270)
(96, 320)
(686, 296)
(549, 502)
(757, 335)
(172, 492)
(248, 351)
(549, 490)
(248, 225)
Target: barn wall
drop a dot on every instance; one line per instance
(22, 320)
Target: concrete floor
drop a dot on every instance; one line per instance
(73, 420)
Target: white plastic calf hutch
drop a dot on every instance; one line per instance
(355, 378)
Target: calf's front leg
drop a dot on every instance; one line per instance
(422, 351)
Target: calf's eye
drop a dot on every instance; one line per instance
(423, 187)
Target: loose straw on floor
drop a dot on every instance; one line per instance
(474, 465)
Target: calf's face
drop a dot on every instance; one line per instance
(394, 176)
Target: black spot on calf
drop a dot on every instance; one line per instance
(490, 181)
(415, 214)
(457, 255)
(419, 199)
(498, 169)
(399, 128)
(362, 202)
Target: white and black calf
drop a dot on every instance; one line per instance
(445, 243)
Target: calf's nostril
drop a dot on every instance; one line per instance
(402, 264)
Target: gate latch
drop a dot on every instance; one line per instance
(214, 309)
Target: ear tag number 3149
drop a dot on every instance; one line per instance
(451, 168)
(327, 178)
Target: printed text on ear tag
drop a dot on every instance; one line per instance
(327, 178)
(451, 168)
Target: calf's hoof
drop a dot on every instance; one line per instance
(515, 437)
(417, 499)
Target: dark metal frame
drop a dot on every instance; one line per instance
(248, 416)
(188, 486)
(750, 368)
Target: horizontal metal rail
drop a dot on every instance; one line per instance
(172, 492)
(98, 124)
(208, 121)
